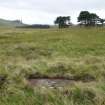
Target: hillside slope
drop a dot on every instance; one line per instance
(8, 23)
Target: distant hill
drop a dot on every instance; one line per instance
(19, 24)
(8, 23)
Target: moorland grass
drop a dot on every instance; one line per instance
(74, 52)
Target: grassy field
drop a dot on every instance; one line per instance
(76, 52)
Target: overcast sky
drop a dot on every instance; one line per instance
(45, 11)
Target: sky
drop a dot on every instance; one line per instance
(46, 11)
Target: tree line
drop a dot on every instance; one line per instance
(85, 18)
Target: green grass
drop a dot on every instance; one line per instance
(76, 52)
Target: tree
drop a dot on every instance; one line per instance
(84, 17)
(94, 18)
(63, 22)
(88, 19)
(102, 21)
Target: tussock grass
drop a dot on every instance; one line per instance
(74, 52)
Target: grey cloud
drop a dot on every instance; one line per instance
(53, 7)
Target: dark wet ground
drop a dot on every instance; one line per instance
(50, 82)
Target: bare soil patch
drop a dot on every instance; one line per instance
(57, 81)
